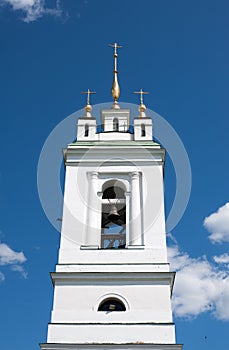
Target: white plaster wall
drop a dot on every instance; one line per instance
(116, 346)
(148, 129)
(92, 136)
(153, 208)
(78, 303)
(74, 213)
(106, 334)
(123, 123)
(115, 136)
(71, 254)
(107, 117)
(77, 201)
(115, 264)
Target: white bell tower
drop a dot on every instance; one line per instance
(112, 284)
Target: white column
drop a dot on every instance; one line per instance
(92, 229)
(128, 196)
(135, 217)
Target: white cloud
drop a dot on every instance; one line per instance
(199, 286)
(2, 277)
(15, 259)
(222, 259)
(218, 225)
(33, 9)
(9, 256)
(170, 236)
(20, 269)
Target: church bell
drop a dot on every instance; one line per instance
(113, 215)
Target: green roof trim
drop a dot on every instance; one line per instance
(114, 143)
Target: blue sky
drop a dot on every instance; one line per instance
(50, 52)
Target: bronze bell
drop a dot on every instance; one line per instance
(114, 215)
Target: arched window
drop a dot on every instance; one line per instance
(113, 216)
(86, 130)
(143, 130)
(111, 304)
(112, 192)
(115, 124)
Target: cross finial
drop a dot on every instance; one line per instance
(141, 93)
(88, 92)
(115, 46)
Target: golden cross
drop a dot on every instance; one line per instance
(115, 46)
(88, 92)
(141, 93)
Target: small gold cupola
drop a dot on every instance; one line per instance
(143, 126)
(86, 126)
(88, 107)
(142, 107)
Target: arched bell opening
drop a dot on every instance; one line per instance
(113, 216)
(111, 304)
(115, 124)
(86, 130)
(143, 130)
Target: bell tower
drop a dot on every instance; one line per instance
(112, 284)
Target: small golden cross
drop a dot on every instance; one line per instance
(115, 46)
(141, 93)
(88, 92)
